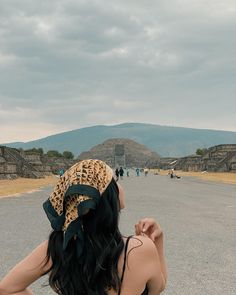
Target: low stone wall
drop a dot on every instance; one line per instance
(8, 170)
(166, 163)
(15, 163)
(221, 158)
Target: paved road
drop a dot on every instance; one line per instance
(198, 218)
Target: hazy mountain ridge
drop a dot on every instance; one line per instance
(165, 140)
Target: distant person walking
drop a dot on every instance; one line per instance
(117, 173)
(121, 172)
(137, 171)
(61, 172)
(145, 171)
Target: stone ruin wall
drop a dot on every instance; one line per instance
(220, 158)
(166, 163)
(15, 163)
(8, 167)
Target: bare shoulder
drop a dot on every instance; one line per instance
(41, 249)
(41, 253)
(142, 265)
(142, 245)
(38, 257)
(141, 250)
(43, 246)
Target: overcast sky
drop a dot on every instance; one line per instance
(73, 63)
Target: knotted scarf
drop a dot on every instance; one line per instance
(78, 190)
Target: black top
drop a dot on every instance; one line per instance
(145, 292)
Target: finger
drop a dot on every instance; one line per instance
(153, 237)
(146, 226)
(137, 229)
(142, 226)
(155, 234)
(139, 225)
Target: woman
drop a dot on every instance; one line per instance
(85, 253)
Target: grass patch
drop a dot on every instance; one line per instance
(22, 185)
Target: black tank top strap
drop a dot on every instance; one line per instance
(124, 263)
(145, 292)
(125, 258)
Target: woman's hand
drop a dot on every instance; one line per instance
(150, 228)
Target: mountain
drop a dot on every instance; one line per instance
(165, 140)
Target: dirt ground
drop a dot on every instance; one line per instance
(224, 177)
(22, 185)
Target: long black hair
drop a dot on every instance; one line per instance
(95, 272)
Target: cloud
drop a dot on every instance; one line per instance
(77, 63)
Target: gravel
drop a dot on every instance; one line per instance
(198, 219)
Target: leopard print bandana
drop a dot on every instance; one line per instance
(78, 190)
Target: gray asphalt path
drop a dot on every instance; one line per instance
(198, 218)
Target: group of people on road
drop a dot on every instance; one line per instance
(119, 172)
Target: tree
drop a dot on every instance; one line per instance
(35, 150)
(201, 152)
(54, 153)
(40, 150)
(68, 155)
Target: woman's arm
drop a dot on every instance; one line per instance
(25, 292)
(26, 272)
(160, 249)
(148, 227)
